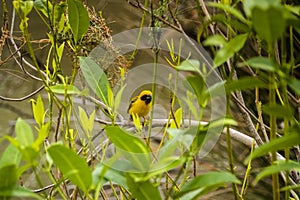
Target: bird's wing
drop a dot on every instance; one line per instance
(131, 102)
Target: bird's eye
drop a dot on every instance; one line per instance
(145, 97)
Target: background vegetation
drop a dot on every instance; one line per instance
(254, 44)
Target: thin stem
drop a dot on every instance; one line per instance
(272, 100)
(229, 152)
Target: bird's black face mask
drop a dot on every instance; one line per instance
(147, 98)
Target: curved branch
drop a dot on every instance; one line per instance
(22, 98)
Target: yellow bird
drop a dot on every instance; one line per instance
(141, 104)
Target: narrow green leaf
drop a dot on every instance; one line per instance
(64, 89)
(291, 187)
(218, 89)
(178, 119)
(125, 140)
(42, 135)
(261, 63)
(143, 189)
(232, 47)
(19, 192)
(60, 51)
(24, 133)
(189, 65)
(269, 22)
(231, 10)
(110, 97)
(24, 6)
(102, 172)
(279, 111)
(210, 179)
(59, 19)
(234, 24)
(118, 99)
(41, 5)
(30, 153)
(84, 120)
(295, 85)
(244, 83)
(215, 40)
(221, 123)
(250, 4)
(78, 18)
(291, 138)
(8, 176)
(11, 155)
(87, 123)
(197, 85)
(276, 168)
(38, 110)
(95, 78)
(137, 122)
(71, 165)
(130, 146)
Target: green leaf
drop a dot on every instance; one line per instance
(215, 40)
(228, 9)
(102, 173)
(86, 122)
(232, 47)
(38, 110)
(11, 155)
(137, 122)
(232, 24)
(279, 111)
(221, 123)
(30, 153)
(78, 18)
(64, 89)
(71, 165)
(143, 189)
(295, 85)
(118, 99)
(59, 21)
(8, 176)
(244, 83)
(125, 140)
(208, 180)
(24, 6)
(41, 5)
(218, 89)
(178, 118)
(250, 4)
(269, 22)
(168, 158)
(19, 192)
(261, 63)
(60, 51)
(276, 168)
(197, 85)
(130, 146)
(110, 97)
(24, 133)
(95, 77)
(291, 138)
(42, 135)
(189, 65)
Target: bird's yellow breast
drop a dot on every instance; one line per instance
(141, 104)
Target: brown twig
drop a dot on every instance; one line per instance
(22, 98)
(139, 5)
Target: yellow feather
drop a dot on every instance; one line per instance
(141, 104)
